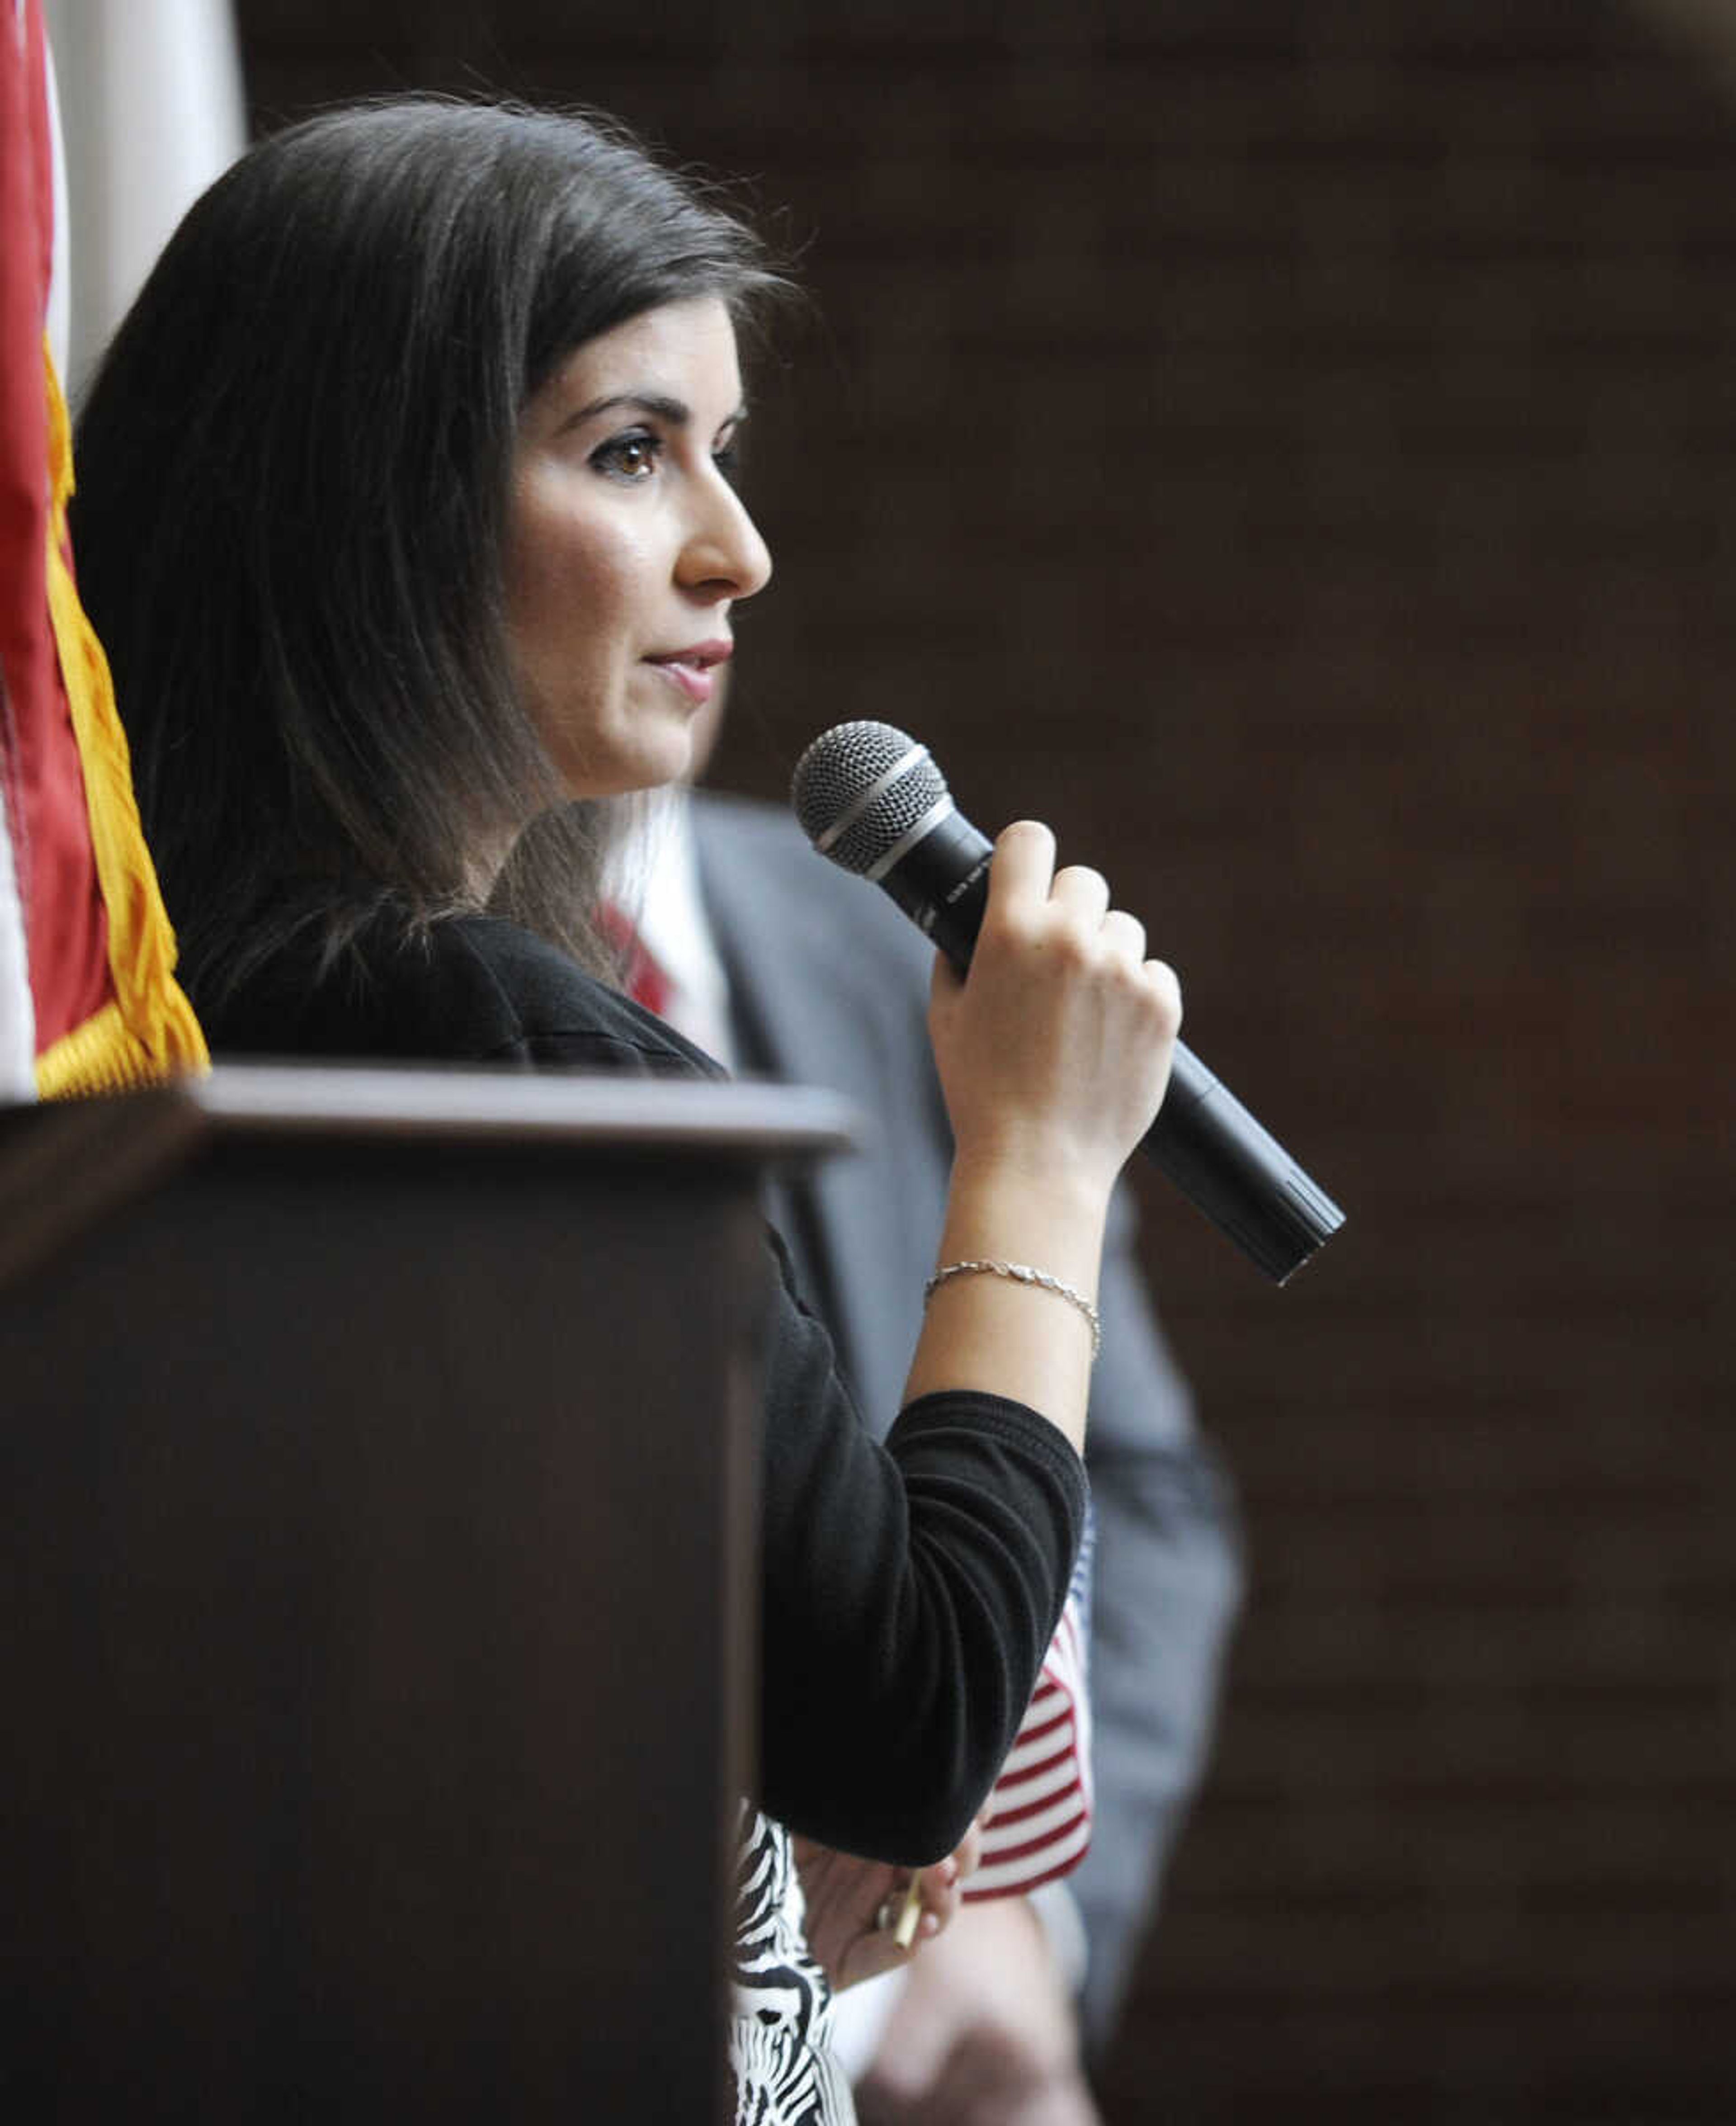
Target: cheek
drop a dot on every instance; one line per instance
(573, 586)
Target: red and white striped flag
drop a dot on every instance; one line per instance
(88, 1002)
(1039, 1822)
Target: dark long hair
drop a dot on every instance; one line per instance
(294, 467)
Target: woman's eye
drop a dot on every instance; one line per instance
(632, 458)
(727, 457)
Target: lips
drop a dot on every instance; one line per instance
(691, 670)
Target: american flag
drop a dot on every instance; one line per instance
(88, 1001)
(1040, 1823)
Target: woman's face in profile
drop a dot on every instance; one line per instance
(627, 546)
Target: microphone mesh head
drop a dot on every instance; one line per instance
(838, 771)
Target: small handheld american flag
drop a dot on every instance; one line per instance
(1039, 1820)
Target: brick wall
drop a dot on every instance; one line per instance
(1292, 445)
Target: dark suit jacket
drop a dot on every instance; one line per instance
(830, 988)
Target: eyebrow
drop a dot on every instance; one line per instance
(676, 411)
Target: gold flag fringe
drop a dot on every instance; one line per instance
(148, 1031)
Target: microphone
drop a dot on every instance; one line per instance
(871, 799)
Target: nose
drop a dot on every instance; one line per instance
(724, 556)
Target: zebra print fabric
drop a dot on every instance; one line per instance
(780, 2034)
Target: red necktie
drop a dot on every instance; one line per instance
(643, 979)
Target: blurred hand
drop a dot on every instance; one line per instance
(983, 2033)
(845, 1895)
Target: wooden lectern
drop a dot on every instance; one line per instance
(377, 1461)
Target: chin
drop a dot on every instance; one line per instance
(671, 758)
(654, 775)
(651, 768)
(662, 754)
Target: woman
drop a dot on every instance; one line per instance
(405, 515)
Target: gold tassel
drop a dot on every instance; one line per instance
(148, 1031)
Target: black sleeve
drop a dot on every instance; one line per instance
(911, 1591)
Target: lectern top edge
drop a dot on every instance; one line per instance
(749, 1120)
(66, 1165)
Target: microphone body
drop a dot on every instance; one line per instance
(872, 799)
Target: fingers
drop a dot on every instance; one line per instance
(1023, 881)
(920, 1906)
(890, 1910)
(1055, 1055)
(1024, 887)
(1072, 908)
(940, 1901)
(1126, 932)
(1165, 985)
(1022, 871)
(1083, 893)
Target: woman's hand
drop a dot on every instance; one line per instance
(846, 1897)
(1054, 1054)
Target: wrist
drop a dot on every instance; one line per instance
(1016, 1273)
(1049, 1213)
(999, 1334)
